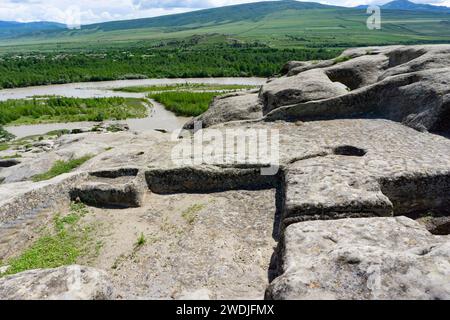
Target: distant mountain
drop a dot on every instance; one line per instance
(411, 6)
(243, 12)
(271, 22)
(12, 29)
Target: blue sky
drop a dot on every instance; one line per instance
(92, 11)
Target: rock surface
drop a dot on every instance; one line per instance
(407, 84)
(378, 258)
(357, 167)
(65, 283)
(231, 107)
(310, 85)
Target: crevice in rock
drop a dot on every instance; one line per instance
(102, 195)
(116, 173)
(347, 77)
(425, 251)
(207, 180)
(316, 155)
(398, 57)
(6, 163)
(114, 188)
(442, 126)
(350, 151)
(436, 222)
(414, 193)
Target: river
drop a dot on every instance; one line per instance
(159, 117)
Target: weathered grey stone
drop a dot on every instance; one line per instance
(25, 198)
(358, 72)
(293, 64)
(64, 283)
(376, 258)
(329, 170)
(308, 65)
(109, 192)
(400, 83)
(436, 224)
(231, 107)
(308, 86)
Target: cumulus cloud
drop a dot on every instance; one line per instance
(143, 4)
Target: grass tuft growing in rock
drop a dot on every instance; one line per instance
(61, 167)
(61, 245)
(141, 241)
(190, 214)
(341, 59)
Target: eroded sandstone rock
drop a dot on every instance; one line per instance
(376, 258)
(407, 84)
(231, 107)
(64, 283)
(308, 86)
(347, 163)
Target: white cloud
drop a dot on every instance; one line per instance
(105, 10)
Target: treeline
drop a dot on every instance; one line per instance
(59, 109)
(64, 67)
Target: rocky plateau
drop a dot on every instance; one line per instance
(358, 208)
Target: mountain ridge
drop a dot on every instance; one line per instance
(308, 23)
(410, 6)
(232, 13)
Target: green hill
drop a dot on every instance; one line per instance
(253, 12)
(272, 23)
(244, 40)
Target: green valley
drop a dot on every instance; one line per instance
(253, 39)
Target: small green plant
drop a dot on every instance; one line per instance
(191, 213)
(141, 241)
(341, 59)
(61, 167)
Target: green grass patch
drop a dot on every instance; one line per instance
(341, 59)
(185, 86)
(191, 213)
(182, 103)
(4, 146)
(61, 167)
(141, 241)
(61, 245)
(14, 156)
(59, 109)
